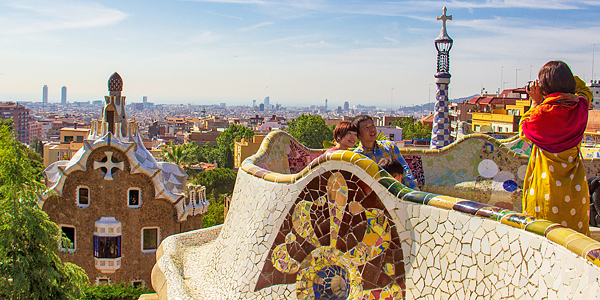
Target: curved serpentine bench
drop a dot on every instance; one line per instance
(343, 228)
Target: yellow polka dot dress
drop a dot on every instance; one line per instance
(556, 188)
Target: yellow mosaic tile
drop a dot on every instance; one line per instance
(301, 223)
(286, 178)
(364, 163)
(389, 269)
(337, 155)
(582, 245)
(442, 201)
(350, 156)
(560, 235)
(282, 261)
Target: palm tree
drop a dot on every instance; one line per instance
(179, 155)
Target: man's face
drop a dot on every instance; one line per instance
(367, 131)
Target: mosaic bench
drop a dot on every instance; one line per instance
(342, 228)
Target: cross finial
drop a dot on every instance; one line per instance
(109, 165)
(444, 18)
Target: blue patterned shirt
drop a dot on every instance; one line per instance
(388, 149)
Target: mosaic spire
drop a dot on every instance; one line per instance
(114, 105)
(440, 132)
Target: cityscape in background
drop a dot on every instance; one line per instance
(177, 123)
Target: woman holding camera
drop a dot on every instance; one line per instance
(555, 186)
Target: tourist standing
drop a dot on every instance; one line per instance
(555, 186)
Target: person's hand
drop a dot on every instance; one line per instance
(535, 94)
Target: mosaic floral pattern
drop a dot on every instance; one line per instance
(339, 242)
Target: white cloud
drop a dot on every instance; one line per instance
(257, 26)
(18, 17)
(205, 37)
(223, 15)
(234, 1)
(390, 39)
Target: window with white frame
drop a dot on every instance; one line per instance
(83, 196)
(150, 239)
(138, 283)
(134, 197)
(103, 280)
(71, 234)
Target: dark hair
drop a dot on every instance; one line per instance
(391, 165)
(556, 76)
(359, 119)
(342, 129)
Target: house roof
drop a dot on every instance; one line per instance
(427, 119)
(169, 179)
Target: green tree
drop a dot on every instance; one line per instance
(219, 183)
(411, 129)
(177, 154)
(226, 142)
(215, 214)
(310, 130)
(29, 265)
(37, 145)
(121, 291)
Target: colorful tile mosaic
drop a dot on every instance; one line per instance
(354, 244)
(341, 228)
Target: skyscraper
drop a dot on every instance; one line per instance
(63, 95)
(45, 94)
(145, 99)
(266, 102)
(346, 106)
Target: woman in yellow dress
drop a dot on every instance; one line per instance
(555, 186)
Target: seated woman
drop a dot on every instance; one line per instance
(345, 135)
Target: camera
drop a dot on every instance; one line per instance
(529, 85)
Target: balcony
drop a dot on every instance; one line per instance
(107, 265)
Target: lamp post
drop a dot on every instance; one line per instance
(440, 131)
(516, 82)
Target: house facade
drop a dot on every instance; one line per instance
(115, 202)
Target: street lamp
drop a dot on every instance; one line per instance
(516, 82)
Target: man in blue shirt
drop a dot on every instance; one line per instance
(376, 150)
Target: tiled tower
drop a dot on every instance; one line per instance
(114, 106)
(440, 133)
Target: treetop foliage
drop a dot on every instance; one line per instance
(29, 265)
(310, 130)
(411, 129)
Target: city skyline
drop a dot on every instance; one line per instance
(297, 53)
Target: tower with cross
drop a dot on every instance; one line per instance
(440, 132)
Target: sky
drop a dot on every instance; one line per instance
(297, 52)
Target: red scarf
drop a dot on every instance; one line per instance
(558, 123)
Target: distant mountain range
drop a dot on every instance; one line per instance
(431, 106)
